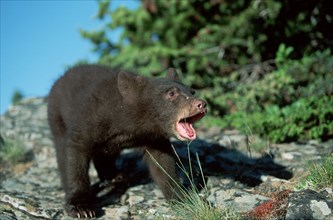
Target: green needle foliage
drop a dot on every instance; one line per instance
(259, 64)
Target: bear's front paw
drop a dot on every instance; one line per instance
(81, 205)
(80, 210)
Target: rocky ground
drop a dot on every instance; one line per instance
(256, 184)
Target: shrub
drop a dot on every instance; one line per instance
(17, 96)
(292, 102)
(256, 62)
(11, 152)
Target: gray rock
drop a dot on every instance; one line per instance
(241, 201)
(28, 205)
(309, 204)
(27, 122)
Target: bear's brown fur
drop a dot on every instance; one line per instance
(94, 112)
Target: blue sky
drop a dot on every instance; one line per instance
(40, 38)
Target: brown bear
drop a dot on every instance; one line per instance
(94, 112)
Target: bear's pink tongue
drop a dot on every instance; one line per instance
(186, 130)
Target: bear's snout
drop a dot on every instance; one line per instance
(200, 105)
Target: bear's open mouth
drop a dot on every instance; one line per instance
(184, 126)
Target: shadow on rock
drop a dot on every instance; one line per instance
(131, 172)
(217, 160)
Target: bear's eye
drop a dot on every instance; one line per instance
(172, 94)
(192, 91)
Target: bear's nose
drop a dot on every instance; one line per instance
(200, 104)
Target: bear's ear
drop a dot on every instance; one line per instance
(129, 85)
(172, 74)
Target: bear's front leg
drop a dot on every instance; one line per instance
(162, 168)
(80, 200)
